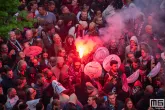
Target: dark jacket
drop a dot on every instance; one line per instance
(7, 83)
(119, 106)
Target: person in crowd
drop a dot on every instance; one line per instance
(21, 86)
(8, 57)
(69, 44)
(60, 70)
(113, 103)
(13, 44)
(92, 103)
(45, 17)
(148, 94)
(146, 59)
(49, 76)
(56, 45)
(12, 98)
(129, 105)
(92, 30)
(21, 69)
(74, 7)
(133, 47)
(40, 85)
(33, 7)
(52, 8)
(29, 37)
(67, 15)
(8, 81)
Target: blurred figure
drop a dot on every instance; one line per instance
(129, 105)
(12, 98)
(113, 103)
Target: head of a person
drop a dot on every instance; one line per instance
(149, 89)
(82, 25)
(48, 74)
(92, 100)
(139, 19)
(29, 34)
(64, 9)
(33, 5)
(35, 62)
(40, 106)
(131, 56)
(135, 63)
(84, 15)
(113, 43)
(42, 11)
(11, 92)
(129, 104)
(74, 3)
(148, 29)
(40, 79)
(21, 55)
(52, 61)
(61, 52)
(69, 40)
(142, 70)
(57, 39)
(9, 73)
(51, 6)
(133, 41)
(144, 53)
(50, 29)
(4, 48)
(85, 7)
(56, 104)
(98, 13)
(31, 93)
(23, 106)
(114, 65)
(45, 55)
(12, 36)
(22, 65)
(99, 20)
(92, 26)
(77, 64)
(70, 57)
(112, 98)
(60, 62)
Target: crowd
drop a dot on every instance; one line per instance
(40, 67)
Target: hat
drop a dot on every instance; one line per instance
(89, 86)
(138, 83)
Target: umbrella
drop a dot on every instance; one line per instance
(93, 69)
(32, 50)
(108, 59)
(100, 54)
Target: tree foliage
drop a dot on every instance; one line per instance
(8, 20)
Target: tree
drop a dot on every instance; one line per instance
(8, 20)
